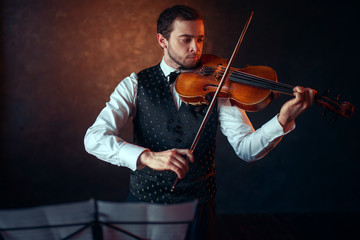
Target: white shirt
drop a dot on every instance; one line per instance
(102, 138)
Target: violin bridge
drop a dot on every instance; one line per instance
(206, 70)
(219, 72)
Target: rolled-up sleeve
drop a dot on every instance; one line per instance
(249, 144)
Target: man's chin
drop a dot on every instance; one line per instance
(191, 63)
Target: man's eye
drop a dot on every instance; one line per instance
(200, 40)
(186, 40)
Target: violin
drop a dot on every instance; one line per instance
(251, 88)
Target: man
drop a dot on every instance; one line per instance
(164, 127)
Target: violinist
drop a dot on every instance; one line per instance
(164, 127)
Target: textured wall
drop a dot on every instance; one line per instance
(62, 59)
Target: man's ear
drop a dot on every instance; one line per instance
(162, 41)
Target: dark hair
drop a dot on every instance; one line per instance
(168, 16)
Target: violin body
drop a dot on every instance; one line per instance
(199, 86)
(251, 88)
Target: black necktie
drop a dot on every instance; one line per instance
(173, 76)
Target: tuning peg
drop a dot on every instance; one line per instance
(338, 97)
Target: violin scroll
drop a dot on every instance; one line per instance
(344, 109)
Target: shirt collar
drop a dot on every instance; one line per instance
(166, 68)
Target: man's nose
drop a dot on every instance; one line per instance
(194, 47)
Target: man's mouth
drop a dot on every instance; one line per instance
(193, 57)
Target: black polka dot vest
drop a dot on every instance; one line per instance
(159, 126)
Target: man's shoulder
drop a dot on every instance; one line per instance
(149, 71)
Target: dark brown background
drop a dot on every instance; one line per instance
(62, 59)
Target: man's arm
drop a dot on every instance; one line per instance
(252, 145)
(102, 138)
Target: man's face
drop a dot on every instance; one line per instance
(184, 47)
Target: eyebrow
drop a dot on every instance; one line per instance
(191, 36)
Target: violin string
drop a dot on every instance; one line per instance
(253, 80)
(247, 78)
(261, 82)
(262, 79)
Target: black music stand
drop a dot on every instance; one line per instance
(98, 220)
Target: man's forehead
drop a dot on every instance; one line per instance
(193, 28)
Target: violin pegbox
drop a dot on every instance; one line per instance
(344, 109)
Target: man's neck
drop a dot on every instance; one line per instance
(170, 62)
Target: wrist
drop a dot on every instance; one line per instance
(141, 161)
(285, 122)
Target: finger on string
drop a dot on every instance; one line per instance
(299, 89)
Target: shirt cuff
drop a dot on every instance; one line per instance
(274, 128)
(130, 154)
